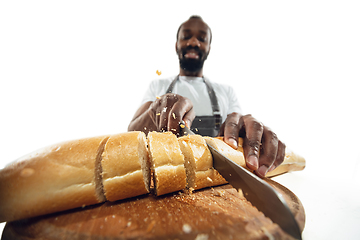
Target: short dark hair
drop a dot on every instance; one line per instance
(193, 17)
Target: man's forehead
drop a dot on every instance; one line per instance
(195, 25)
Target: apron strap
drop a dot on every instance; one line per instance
(172, 84)
(214, 102)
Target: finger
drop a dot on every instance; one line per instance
(269, 151)
(221, 131)
(155, 113)
(279, 156)
(167, 102)
(231, 129)
(252, 142)
(163, 119)
(189, 117)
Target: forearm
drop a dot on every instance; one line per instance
(142, 123)
(142, 120)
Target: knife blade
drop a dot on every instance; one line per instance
(261, 195)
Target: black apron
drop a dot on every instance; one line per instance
(205, 125)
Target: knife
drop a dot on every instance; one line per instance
(255, 190)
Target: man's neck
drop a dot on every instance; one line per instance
(191, 74)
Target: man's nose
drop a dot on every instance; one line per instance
(194, 42)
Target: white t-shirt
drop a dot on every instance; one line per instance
(195, 89)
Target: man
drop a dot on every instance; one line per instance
(209, 108)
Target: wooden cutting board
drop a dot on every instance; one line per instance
(211, 213)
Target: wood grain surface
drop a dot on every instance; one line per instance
(211, 213)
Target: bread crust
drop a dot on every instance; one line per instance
(52, 179)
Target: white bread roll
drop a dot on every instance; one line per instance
(198, 163)
(56, 178)
(125, 166)
(167, 163)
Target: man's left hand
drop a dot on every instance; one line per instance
(263, 151)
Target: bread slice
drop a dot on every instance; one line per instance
(52, 179)
(167, 163)
(125, 166)
(199, 163)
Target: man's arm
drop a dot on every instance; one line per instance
(263, 151)
(164, 114)
(142, 120)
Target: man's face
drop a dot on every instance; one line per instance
(193, 45)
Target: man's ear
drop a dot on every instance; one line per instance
(208, 52)
(176, 47)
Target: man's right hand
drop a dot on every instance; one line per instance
(168, 110)
(165, 113)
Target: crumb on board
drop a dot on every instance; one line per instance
(202, 236)
(218, 193)
(240, 192)
(151, 226)
(186, 228)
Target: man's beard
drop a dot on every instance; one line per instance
(189, 64)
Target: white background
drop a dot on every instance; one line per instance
(74, 69)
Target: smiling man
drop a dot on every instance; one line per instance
(193, 52)
(209, 108)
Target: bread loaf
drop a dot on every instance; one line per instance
(89, 171)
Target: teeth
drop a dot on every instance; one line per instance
(192, 55)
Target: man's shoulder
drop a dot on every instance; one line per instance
(217, 85)
(162, 81)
